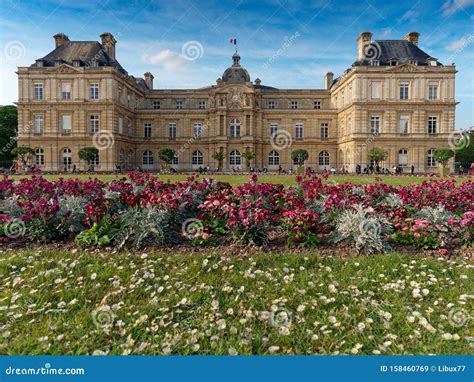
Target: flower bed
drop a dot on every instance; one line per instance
(142, 210)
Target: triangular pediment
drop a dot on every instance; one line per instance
(405, 68)
(65, 68)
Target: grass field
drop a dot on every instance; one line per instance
(287, 180)
(66, 302)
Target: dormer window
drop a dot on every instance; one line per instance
(94, 64)
(413, 62)
(393, 62)
(39, 63)
(432, 62)
(58, 62)
(374, 63)
(76, 63)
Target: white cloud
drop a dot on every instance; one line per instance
(409, 16)
(460, 44)
(452, 6)
(168, 59)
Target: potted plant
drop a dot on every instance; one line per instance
(248, 155)
(166, 155)
(219, 156)
(442, 156)
(88, 154)
(300, 156)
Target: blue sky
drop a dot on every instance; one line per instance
(287, 44)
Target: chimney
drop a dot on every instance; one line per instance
(328, 79)
(364, 39)
(413, 37)
(108, 44)
(149, 80)
(60, 38)
(258, 81)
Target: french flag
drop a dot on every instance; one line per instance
(233, 41)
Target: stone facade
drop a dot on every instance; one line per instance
(394, 96)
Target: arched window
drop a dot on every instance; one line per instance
(198, 158)
(234, 128)
(234, 158)
(403, 157)
(147, 158)
(273, 158)
(430, 158)
(324, 158)
(39, 153)
(67, 157)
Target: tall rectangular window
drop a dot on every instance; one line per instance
(375, 125)
(294, 104)
(324, 130)
(273, 129)
(404, 90)
(179, 104)
(197, 130)
(172, 130)
(201, 104)
(404, 122)
(376, 89)
(94, 124)
(147, 130)
(433, 91)
(66, 122)
(271, 104)
(120, 125)
(66, 91)
(94, 91)
(39, 124)
(299, 131)
(432, 125)
(38, 92)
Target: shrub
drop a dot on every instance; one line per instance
(362, 229)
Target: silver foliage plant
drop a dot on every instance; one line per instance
(361, 229)
(438, 215)
(141, 226)
(72, 211)
(392, 200)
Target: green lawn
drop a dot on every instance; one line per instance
(287, 180)
(60, 302)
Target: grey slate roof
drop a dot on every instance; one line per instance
(400, 50)
(84, 51)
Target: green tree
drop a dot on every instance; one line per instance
(300, 156)
(248, 155)
(443, 156)
(23, 154)
(88, 154)
(465, 153)
(166, 155)
(377, 155)
(8, 132)
(219, 156)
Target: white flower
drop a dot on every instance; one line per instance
(332, 319)
(300, 308)
(356, 348)
(315, 337)
(93, 276)
(425, 292)
(411, 319)
(447, 336)
(230, 311)
(232, 351)
(221, 324)
(273, 349)
(332, 288)
(360, 326)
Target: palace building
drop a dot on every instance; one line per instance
(394, 96)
